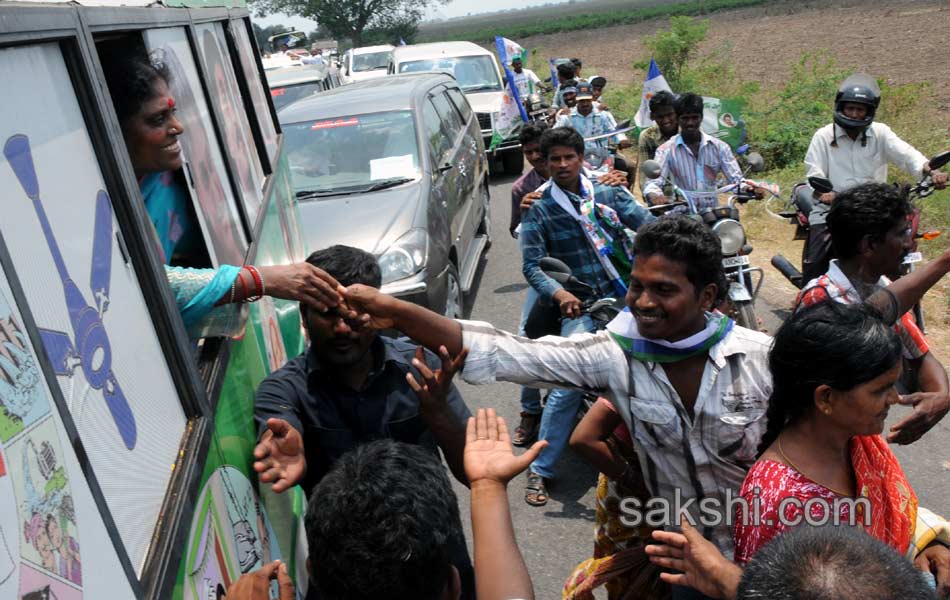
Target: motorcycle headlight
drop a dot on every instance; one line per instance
(731, 235)
(406, 257)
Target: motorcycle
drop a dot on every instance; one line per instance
(601, 160)
(724, 222)
(805, 195)
(538, 110)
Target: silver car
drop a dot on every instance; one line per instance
(395, 166)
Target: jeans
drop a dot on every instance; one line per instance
(530, 397)
(557, 420)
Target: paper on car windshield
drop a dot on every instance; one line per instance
(390, 167)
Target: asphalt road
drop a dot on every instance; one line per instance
(558, 536)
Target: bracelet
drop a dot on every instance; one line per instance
(258, 282)
(243, 285)
(233, 288)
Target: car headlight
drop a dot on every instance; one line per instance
(406, 257)
(731, 235)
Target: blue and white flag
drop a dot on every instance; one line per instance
(506, 122)
(654, 83)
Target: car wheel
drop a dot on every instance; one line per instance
(484, 227)
(513, 162)
(453, 294)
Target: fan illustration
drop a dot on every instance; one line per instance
(88, 346)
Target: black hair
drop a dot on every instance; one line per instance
(685, 240)
(577, 63)
(829, 343)
(131, 78)
(348, 265)
(531, 133)
(381, 524)
(561, 136)
(566, 70)
(832, 562)
(661, 99)
(869, 209)
(570, 83)
(689, 104)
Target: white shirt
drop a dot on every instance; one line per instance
(525, 82)
(697, 458)
(850, 164)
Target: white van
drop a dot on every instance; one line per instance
(368, 62)
(478, 75)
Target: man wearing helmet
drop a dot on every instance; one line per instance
(852, 150)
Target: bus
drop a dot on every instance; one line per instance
(125, 438)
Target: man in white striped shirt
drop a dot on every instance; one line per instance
(695, 405)
(693, 159)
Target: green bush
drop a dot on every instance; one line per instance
(673, 48)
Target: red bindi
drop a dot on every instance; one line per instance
(171, 103)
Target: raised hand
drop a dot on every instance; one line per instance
(488, 455)
(929, 408)
(375, 309)
(702, 566)
(279, 456)
(435, 386)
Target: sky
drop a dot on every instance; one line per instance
(455, 8)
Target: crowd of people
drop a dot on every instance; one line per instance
(695, 411)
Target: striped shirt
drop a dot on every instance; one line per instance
(548, 230)
(693, 173)
(703, 457)
(836, 286)
(595, 123)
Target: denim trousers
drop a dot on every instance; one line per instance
(557, 419)
(530, 397)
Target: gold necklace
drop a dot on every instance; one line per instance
(792, 465)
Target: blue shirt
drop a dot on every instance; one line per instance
(548, 230)
(595, 123)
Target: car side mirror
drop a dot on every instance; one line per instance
(756, 162)
(940, 160)
(555, 269)
(821, 185)
(651, 169)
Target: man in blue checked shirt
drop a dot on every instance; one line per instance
(693, 159)
(589, 121)
(553, 227)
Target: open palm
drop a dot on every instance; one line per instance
(279, 457)
(488, 454)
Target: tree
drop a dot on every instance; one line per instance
(353, 19)
(673, 48)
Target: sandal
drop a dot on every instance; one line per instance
(535, 493)
(527, 430)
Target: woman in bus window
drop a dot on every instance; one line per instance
(146, 111)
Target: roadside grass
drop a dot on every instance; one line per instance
(593, 20)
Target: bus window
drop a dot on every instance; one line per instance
(96, 332)
(204, 162)
(246, 52)
(235, 126)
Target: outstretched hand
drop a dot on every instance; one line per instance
(488, 455)
(375, 309)
(435, 386)
(702, 566)
(302, 282)
(929, 408)
(279, 456)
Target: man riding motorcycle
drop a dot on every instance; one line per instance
(693, 159)
(665, 126)
(851, 150)
(590, 122)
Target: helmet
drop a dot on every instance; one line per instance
(861, 89)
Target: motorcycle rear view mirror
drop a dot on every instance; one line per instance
(756, 162)
(556, 269)
(651, 169)
(940, 160)
(820, 185)
(623, 124)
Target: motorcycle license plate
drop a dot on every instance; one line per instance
(735, 261)
(913, 257)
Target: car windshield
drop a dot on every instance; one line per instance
(474, 73)
(285, 95)
(352, 153)
(370, 62)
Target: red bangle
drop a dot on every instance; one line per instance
(243, 286)
(258, 283)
